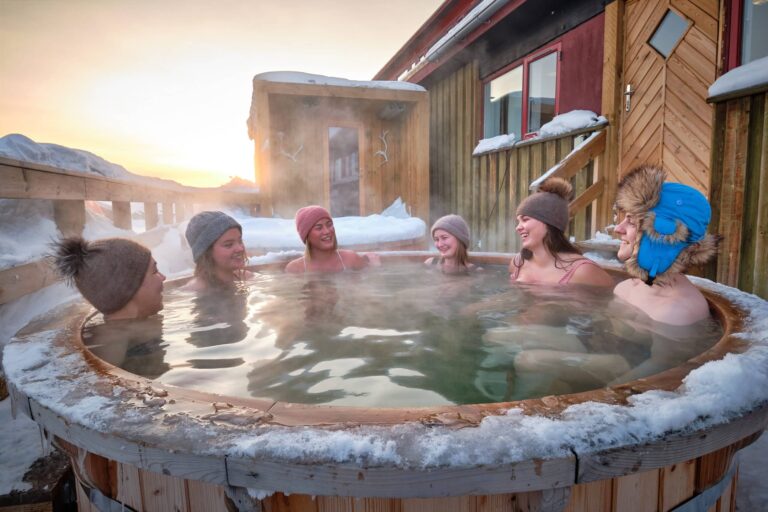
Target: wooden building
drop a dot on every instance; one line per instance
(508, 66)
(353, 147)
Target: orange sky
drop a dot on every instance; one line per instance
(163, 87)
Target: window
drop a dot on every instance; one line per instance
(668, 33)
(523, 98)
(754, 40)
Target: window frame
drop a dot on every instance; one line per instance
(525, 62)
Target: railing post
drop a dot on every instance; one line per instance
(69, 215)
(121, 214)
(167, 212)
(150, 216)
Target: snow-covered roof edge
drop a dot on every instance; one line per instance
(297, 77)
(738, 80)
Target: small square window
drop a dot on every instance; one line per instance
(668, 33)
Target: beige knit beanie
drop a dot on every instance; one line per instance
(107, 272)
(549, 204)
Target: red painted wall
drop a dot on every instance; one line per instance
(581, 67)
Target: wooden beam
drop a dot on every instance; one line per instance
(576, 161)
(16, 282)
(583, 200)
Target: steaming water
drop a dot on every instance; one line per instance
(393, 337)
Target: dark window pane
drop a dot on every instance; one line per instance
(755, 36)
(344, 170)
(542, 85)
(503, 103)
(668, 33)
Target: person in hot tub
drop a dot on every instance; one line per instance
(663, 233)
(451, 236)
(547, 257)
(321, 253)
(119, 277)
(216, 240)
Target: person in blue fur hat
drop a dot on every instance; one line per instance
(662, 234)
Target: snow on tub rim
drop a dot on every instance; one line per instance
(642, 435)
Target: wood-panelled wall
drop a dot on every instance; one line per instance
(486, 189)
(739, 192)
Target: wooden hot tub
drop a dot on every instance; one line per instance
(138, 444)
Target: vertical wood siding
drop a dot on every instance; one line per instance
(740, 192)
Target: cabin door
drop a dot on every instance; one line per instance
(344, 170)
(670, 60)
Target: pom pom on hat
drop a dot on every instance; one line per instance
(205, 228)
(455, 225)
(307, 217)
(107, 272)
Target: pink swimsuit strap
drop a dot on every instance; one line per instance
(563, 280)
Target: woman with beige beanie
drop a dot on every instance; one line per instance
(321, 253)
(547, 256)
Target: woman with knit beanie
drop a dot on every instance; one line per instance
(451, 236)
(547, 256)
(321, 253)
(216, 240)
(663, 233)
(119, 277)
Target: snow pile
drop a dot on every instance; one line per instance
(744, 77)
(296, 77)
(19, 147)
(20, 446)
(570, 121)
(495, 143)
(562, 124)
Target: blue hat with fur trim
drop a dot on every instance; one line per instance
(680, 218)
(672, 221)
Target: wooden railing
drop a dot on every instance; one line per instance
(739, 189)
(68, 192)
(504, 177)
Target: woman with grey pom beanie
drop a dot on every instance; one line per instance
(119, 277)
(547, 256)
(216, 240)
(451, 236)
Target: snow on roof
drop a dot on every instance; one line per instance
(296, 77)
(480, 13)
(744, 77)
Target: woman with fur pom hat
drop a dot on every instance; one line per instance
(119, 277)
(547, 255)
(663, 233)
(321, 253)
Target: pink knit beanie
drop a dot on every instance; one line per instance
(307, 217)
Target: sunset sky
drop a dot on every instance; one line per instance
(163, 87)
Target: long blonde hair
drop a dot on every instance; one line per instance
(205, 270)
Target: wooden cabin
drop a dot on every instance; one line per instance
(353, 147)
(496, 67)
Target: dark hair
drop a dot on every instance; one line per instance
(205, 271)
(555, 242)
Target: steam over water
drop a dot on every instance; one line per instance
(393, 337)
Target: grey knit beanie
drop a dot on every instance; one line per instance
(205, 228)
(107, 272)
(549, 204)
(455, 225)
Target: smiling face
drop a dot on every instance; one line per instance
(627, 231)
(446, 243)
(228, 251)
(532, 231)
(148, 299)
(322, 236)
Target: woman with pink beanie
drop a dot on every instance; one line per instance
(547, 256)
(321, 253)
(451, 236)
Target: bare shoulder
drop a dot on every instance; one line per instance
(194, 285)
(591, 274)
(295, 266)
(627, 288)
(352, 259)
(429, 261)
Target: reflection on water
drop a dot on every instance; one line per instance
(395, 337)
